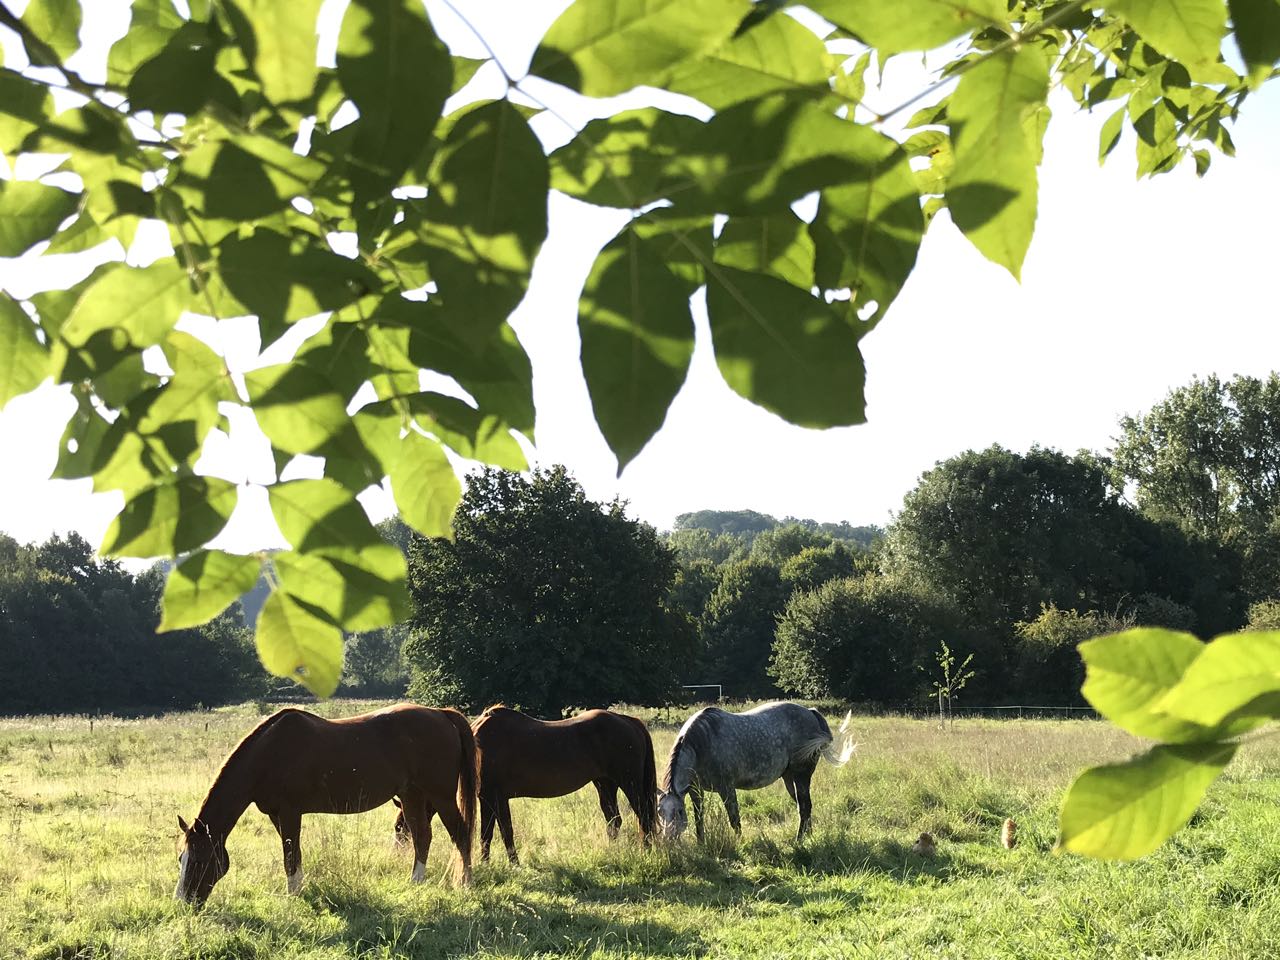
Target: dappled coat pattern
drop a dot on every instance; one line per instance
(725, 752)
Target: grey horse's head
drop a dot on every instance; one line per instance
(672, 820)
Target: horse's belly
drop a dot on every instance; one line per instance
(757, 780)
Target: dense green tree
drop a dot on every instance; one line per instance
(1047, 667)
(1003, 534)
(738, 625)
(781, 543)
(814, 566)
(543, 599)
(866, 639)
(745, 524)
(1207, 457)
(699, 544)
(373, 664)
(78, 634)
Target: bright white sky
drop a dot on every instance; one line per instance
(1130, 289)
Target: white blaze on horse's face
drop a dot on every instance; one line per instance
(671, 815)
(184, 864)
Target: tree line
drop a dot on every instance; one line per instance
(548, 600)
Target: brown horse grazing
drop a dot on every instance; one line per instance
(524, 757)
(294, 762)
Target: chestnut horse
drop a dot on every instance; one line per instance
(294, 762)
(524, 757)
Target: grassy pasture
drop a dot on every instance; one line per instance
(88, 862)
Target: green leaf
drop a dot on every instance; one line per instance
(424, 486)
(57, 23)
(244, 179)
(464, 68)
(145, 303)
(1237, 675)
(281, 45)
(398, 74)
(30, 212)
(351, 596)
(151, 24)
(24, 106)
(637, 341)
(785, 350)
(293, 642)
(298, 409)
(495, 372)
(171, 517)
(319, 516)
(776, 244)
(996, 132)
(760, 156)
(1256, 27)
(868, 231)
(1124, 811)
(777, 55)
(24, 360)
(1189, 31)
(892, 27)
(1110, 135)
(624, 160)
(605, 47)
(181, 77)
(200, 380)
(486, 215)
(203, 585)
(469, 432)
(268, 277)
(1128, 673)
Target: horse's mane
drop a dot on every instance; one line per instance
(248, 740)
(696, 734)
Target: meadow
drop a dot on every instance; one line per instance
(88, 860)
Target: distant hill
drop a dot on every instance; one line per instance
(747, 524)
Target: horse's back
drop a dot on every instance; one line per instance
(521, 756)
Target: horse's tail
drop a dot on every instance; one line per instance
(648, 809)
(825, 745)
(467, 769)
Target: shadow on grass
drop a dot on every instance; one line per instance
(497, 920)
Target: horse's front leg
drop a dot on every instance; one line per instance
(695, 800)
(289, 826)
(488, 820)
(730, 798)
(608, 791)
(504, 825)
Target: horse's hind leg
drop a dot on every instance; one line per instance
(797, 781)
(608, 791)
(504, 824)
(289, 826)
(457, 829)
(417, 815)
(632, 792)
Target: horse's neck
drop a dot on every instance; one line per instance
(683, 771)
(230, 795)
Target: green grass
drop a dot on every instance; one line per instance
(88, 861)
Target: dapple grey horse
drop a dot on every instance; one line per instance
(726, 752)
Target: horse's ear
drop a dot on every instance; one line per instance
(182, 824)
(396, 801)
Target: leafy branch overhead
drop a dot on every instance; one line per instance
(218, 124)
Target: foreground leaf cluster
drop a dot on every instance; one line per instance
(1196, 699)
(290, 190)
